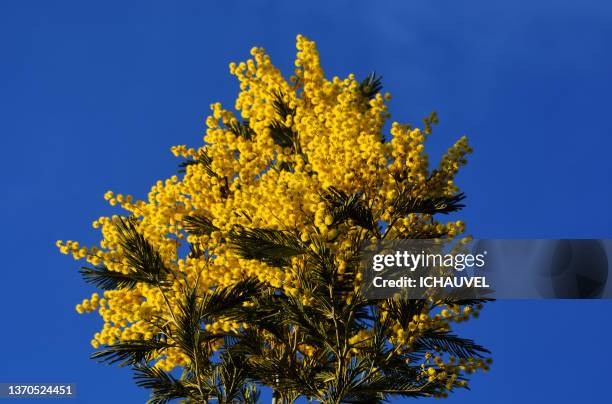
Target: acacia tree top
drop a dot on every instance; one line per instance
(300, 164)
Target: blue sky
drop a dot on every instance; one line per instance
(93, 94)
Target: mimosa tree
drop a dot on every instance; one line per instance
(243, 269)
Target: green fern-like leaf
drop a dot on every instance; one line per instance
(405, 204)
(105, 279)
(198, 225)
(142, 258)
(131, 352)
(164, 387)
(273, 247)
(371, 85)
(344, 207)
(241, 129)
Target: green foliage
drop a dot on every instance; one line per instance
(241, 129)
(132, 353)
(164, 387)
(283, 135)
(198, 225)
(270, 246)
(105, 279)
(405, 204)
(448, 342)
(343, 207)
(371, 85)
(141, 256)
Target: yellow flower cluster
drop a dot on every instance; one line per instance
(338, 141)
(436, 369)
(358, 340)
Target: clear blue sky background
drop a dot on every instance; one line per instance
(93, 94)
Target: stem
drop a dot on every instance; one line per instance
(276, 398)
(167, 304)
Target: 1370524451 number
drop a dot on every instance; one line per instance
(54, 390)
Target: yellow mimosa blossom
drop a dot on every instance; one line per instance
(264, 162)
